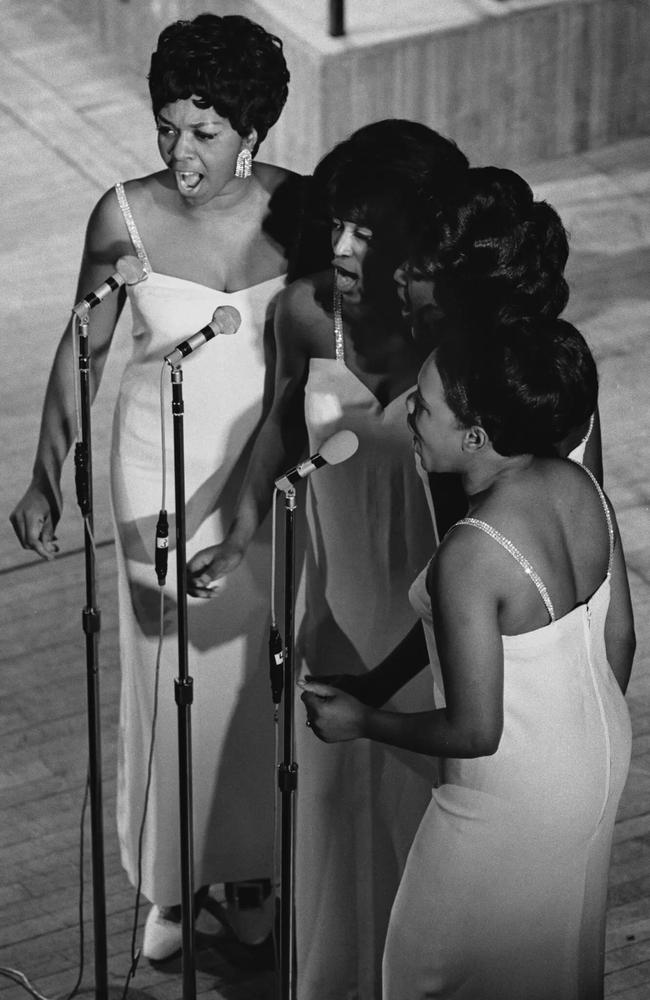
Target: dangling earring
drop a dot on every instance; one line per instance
(243, 167)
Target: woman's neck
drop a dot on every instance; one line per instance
(491, 475)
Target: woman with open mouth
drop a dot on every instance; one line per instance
(203, 231)
(346, 360)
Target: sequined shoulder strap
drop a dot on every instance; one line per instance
(132, 228)
(608, 515)
(516, 554)
(338, 326)
(589, 428)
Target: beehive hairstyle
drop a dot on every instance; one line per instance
(491, 248)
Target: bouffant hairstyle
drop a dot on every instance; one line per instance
(491, 247)
(227, 63)
(528, 383)
(376, 176)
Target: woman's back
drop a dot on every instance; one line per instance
(554, 514)
(512, 854)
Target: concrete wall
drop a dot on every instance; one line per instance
(512, 81)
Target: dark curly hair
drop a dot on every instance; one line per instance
(492, 248)
(229, 63)
(528, 384)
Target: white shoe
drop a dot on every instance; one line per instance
(162, 937)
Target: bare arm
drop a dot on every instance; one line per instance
(620, 639)
(279, 444)
(465, 605)
(377, 686)
(35, 516)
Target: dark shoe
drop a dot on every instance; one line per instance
(250, 910)
(248, 957)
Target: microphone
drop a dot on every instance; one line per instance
(128, 271)
(336, 449)
(226, 320)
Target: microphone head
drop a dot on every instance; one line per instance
(226, 320)
(131, 270)
(339, 447)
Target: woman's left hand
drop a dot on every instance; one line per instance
(332, 714)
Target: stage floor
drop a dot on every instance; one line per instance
(73, 124)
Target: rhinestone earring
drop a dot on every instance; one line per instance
(243, 167)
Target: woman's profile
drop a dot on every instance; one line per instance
(526, 602)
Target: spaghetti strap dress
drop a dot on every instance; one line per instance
(358, 804)
(225, 385)
(504, 892)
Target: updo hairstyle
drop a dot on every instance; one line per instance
(528, 382)
(491, 248)
(229, 63)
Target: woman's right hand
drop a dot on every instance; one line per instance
(205, 569)
(33, 520)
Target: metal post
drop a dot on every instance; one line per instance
(91, 625)
(337, 18)
(184, 698)
(288, 771)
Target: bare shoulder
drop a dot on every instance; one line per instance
(282, 198)
(150, 193)
(580, 497)
(570, 486)
(107, 237)
(467, 564)
(461, 551)
(272, 177)
(302, 298)
(303, 302)
(302, 313)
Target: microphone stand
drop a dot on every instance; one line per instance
(91, 623)
(288, 769)
(183, 687)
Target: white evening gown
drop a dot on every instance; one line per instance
(504, 892)
(232, 713)
(358, 804)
